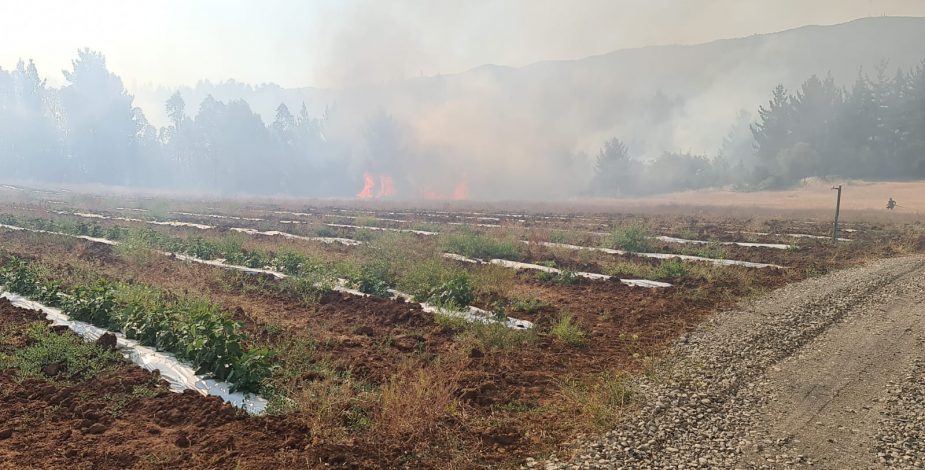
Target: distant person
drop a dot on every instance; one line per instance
(891, 204)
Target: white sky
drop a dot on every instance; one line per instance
(336, 43)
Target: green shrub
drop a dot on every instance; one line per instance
(325, 231)
(92, 304)
(634, 238)
(629, 269)
(565, 277)
(671, 269)
(308, 288)
(477, 245)
(568, 331)
(455, 293)
(421, 278)
(374, 278)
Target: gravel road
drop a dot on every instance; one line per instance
(825, 373)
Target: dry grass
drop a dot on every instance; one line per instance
(598, 402)
(418, 398)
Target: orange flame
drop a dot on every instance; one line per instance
(370, 190)
(368, 183)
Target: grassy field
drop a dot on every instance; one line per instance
(356, 376)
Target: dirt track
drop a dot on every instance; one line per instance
(807, 375)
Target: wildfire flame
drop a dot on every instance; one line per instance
(385, 188)
(368, 183)
(381, 186)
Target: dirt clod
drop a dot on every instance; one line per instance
(182, 441)
(58, 329)
(107, 341)
(364, 331)
(52, 370)
(96, 428)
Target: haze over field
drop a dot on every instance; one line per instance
(391, 100)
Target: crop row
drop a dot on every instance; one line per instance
(310, 277)
(193, 330)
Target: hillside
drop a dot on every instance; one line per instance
(537, 117)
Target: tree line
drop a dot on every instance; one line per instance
(88, 131)
(875, 130)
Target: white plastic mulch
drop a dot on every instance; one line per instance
(406, 230)
(793, 235)
(473, 314)
(179, 375)
(777, 246)
(721, 262)
(538, 267)
(343, 241)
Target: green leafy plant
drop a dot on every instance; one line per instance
(457, 292)
(374, 278)
(192, 329)
(634, 238)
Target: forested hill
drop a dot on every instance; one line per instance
(548, 130)
(691, 94)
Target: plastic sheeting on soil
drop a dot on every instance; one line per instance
(343, 241)
(793, 235)
(179, 375)
(473, 314)
(518, 265)
(173, 223)
(721, 262)
(92, 239)
(474, 224)
(406, 230)
(217, 216)
(777, 246)
(354, 217)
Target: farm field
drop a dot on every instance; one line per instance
(374, 336)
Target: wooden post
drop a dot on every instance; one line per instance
(837, 210)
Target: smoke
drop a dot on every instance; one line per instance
(406, 123)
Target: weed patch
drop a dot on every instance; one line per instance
(61, 356)
(477, 245)
(568, 331)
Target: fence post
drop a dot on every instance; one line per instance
(837, 210)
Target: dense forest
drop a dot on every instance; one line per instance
(89, 131)
(875, 130)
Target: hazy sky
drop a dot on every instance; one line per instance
(337, 43)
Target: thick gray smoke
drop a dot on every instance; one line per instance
(493, 132)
